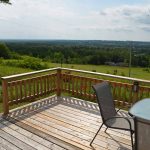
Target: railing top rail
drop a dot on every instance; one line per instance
(28, 74)
(107, 75)
(74, 70)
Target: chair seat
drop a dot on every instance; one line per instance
(120, 123)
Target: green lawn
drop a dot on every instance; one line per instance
(136, 72)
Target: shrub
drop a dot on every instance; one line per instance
(27, 62)
(146, 69)
(1, 60)
(93, 70)
(4, 51)
(108, 72)
(122, 74)
(33, 63)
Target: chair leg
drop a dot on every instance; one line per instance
(106, 129)
(96, 135)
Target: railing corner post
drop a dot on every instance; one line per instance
(59, 82)
(5, 96)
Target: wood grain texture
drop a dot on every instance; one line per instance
(65, 127)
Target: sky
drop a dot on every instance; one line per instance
(76, 20)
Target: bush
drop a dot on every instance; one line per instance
(27, 62)
(115, 72)
(93, 70)
(4, 51)
(33, 63)
(146, 69)
(108, 72)
(1, 60)
(122, 74)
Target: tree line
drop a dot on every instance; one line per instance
(83, 53)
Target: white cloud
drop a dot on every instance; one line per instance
(55, 19)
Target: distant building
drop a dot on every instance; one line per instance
(110, 63)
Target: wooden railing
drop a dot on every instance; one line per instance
(76, 83)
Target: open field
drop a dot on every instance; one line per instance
(136, 72)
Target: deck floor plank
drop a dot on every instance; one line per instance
(74, 127)
(26, 136)
(63, 126)
(15, 141)
(57, 133)
(83, 133)
(90, 125)
(7, 145)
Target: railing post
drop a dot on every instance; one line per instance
(58, 82)
(5, 96)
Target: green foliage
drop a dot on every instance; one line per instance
(1, 60)
(32, 63)
(4, 51)
(147, 70)
(107, 72)
(27, 62)
(15, 55)
(5, 1)
(84, 52)
(122, 74)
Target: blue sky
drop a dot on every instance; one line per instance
(76, 19)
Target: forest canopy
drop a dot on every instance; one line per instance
(84, 52)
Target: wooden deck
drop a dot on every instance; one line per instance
(59, 123)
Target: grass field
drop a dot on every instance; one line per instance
(135, 72)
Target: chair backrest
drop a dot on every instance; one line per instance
(105, 100)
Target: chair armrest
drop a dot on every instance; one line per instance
(119, 109)
(121, 117)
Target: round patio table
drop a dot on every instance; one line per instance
(141, 114)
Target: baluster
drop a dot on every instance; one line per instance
(124, 93)
(11, 91)
(73, 79)
(37, 86)
(129, 86)
(81, 86)
(90, 88)
(69, 84)
(63, 83)
(148, 92)
(47, 83)
(119, 94)
(41, 86)
(25, 89)
(58, 80)
(34, 87)
(50, 83)
(20, 89)
(77, 85)
(29, 85)
(5, 96)
(16, 91)
(85, 87)
(141, 92)
(55, 82)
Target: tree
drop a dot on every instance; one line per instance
(5, 1)
(4, 51)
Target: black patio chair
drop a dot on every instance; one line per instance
(110, 117)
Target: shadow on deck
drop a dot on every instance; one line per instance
(59, 123)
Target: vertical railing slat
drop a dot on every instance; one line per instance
(5, 96)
